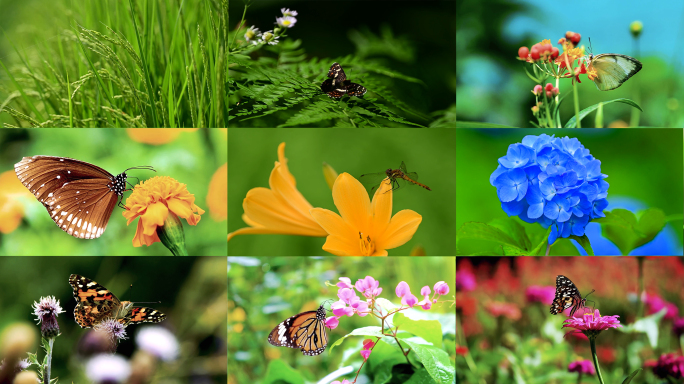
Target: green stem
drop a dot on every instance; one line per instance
(46, 378)
(575, 99)
(592, 343)
(239, 25)
(640, 278)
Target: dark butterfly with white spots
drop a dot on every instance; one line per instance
(305, 331)
(337, 85)
(79, 196)
(567, 295)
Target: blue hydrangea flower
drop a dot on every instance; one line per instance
(551, 181)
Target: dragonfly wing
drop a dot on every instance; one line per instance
(403, 168)
(372, 180)
(413, 176)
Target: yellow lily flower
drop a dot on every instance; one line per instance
(279, 210)
(364, 228)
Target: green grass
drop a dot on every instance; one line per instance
(151, 63)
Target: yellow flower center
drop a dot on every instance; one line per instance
(367, 245)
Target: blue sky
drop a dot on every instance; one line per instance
(607, 23)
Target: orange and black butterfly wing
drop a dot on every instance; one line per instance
(94, 302)
(142, 315)
(305, 331)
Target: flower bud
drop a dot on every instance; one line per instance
(636, 27)
(523, 52)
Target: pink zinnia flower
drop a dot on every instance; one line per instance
(584, 366)
(592, 323)
(669, 365)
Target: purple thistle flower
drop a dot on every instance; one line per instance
(46, 311)
(114, 331)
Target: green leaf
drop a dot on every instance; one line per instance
(279, 372)
(435, 360)
(627, 232)
(365, 331)
(585, 243)
(482, 231)
(648, 325)
(469, 124)
(629, 378)
(572, 122)
(430, 330)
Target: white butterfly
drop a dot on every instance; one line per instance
(613, 69)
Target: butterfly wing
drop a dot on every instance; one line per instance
(79, 196)
(336, 73)
(94, 302)
(334, 92)
(142, 315)
(354, 89)
(613, 70)
(567, 295)
(304, 331)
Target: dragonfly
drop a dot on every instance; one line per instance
(397, 177)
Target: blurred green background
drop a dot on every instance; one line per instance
(191, 291)
(641, 164)
(493, 86)
(430, 153)
(192, 158)
(265, 291)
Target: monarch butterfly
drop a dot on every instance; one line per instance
(305, 331)
(567, 295)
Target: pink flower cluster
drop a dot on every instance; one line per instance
(350, 303)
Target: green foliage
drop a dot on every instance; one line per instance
(511, 236)
(572, 122)
(280, 85)
(619, 226)
(293, 91)
(647, 326)
(627, 232)
(135, 64)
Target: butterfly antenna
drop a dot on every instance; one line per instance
(592, 291)
(147, 167)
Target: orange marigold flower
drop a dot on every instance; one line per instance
(157, 202)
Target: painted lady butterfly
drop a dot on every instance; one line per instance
(96, 304)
